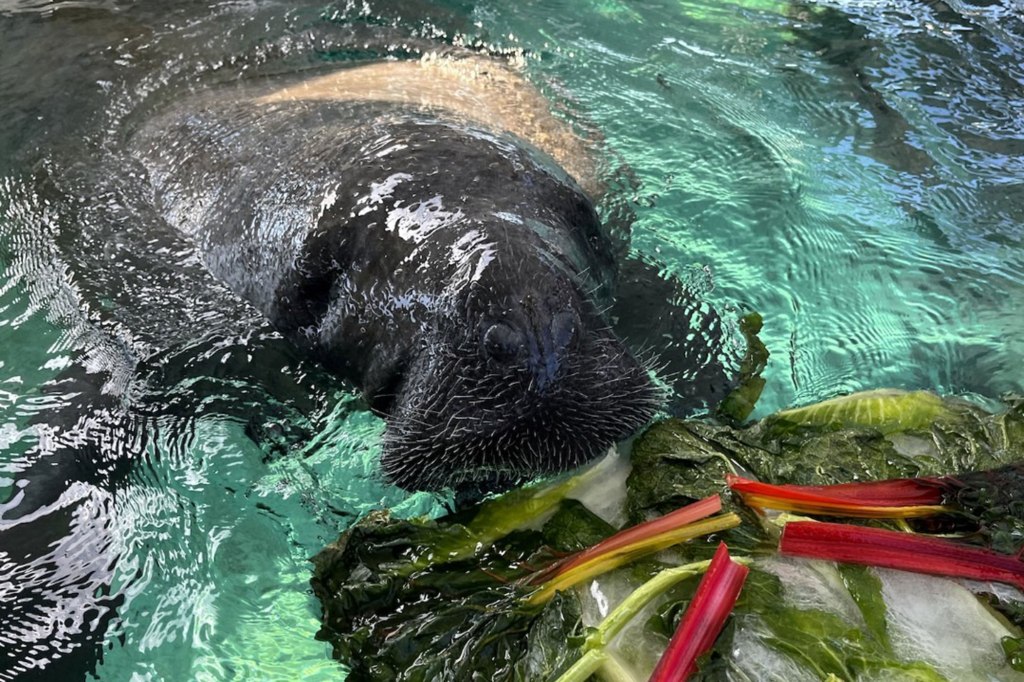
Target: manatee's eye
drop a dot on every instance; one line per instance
(502, 342)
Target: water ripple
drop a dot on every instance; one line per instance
(852, 170)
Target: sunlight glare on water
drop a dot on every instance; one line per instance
(848, 170)
(853, 171)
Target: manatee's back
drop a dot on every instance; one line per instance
(290, 201)
(246, 182)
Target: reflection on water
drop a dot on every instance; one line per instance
(853, 170)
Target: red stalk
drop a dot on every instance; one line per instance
(704, 618)
(895, 498)
(903, 551)
(679, 517)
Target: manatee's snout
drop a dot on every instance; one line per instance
(542, 386)
(535, 339)
(520, 376)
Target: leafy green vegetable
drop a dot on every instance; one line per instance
(822, 642)
(449, 599)
(407, 600)
(678, 461)
(995, 498)
(392, 616)
(887, 410)
(574, 527)
(739, 403)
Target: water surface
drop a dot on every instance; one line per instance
(854, 171)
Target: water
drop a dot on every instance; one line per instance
(854, 171)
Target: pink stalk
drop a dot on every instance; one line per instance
(672, 520)
(704, 618)
(895, 498)
(893, 549)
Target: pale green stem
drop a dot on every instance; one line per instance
(613, 623)
(584, 667)
(497, 518)
(904, 526)
(601, 663)
(594, 655)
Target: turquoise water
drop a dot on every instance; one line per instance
(852, 171)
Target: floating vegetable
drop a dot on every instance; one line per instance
(537, 586)
(899, 498)
(704, 618)
(646, 538)
(888, 410)
(894, 549)
(990, 501)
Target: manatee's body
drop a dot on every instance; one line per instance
(454, 272)
(423, 229)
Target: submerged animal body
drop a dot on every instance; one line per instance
(425, 230)
(397, 223)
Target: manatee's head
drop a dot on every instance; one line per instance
(519, 376)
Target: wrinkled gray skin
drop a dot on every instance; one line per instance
(454, 275)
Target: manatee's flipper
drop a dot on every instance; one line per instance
(658, 316)
(92, 428)
(58, 549)
(56, 568)
(262, 381)
(75, 428)
(57, 534)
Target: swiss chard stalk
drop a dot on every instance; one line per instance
(595, 654)
(498, 517)
(680, 517)
(903, 551)
(704, 618)
(646, 538)
(899, 498)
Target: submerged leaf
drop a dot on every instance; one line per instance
(888, 410)
(677, 461)
(740, 402)
(447, 599)
(401, 604)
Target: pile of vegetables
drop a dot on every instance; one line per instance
(698, 558)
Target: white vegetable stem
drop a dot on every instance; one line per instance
(596, 658)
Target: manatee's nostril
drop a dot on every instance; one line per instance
(502, 342)
(563, 330)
